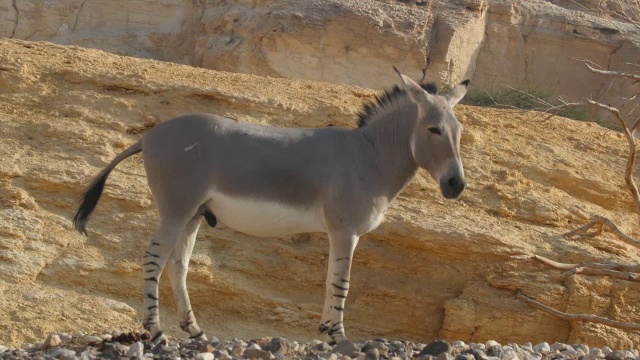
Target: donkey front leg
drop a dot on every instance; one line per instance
(154, 260)
(341, 247)
(178, 267)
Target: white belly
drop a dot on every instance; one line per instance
(265, 219)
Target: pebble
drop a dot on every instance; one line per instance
(90, 339)
(346, 348)
(205, 356)
(596, 352)
(465, 357)
(543, 347)
(322, 346)
(372, 354)
(437, 347)
(136, 350)
(137, 346)
(383, 349)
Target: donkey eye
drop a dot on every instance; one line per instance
(435, 130)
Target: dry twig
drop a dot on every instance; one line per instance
(572, 317)
(611, 269)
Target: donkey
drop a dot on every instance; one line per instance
(270, 181)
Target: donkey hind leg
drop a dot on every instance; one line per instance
(341, 247)
(178, 266)
(154, 260)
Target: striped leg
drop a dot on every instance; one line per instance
(178, 267)
(154, 260)
(341, 247)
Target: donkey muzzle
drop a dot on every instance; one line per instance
(452, 187)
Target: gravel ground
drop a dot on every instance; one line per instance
(137, 346)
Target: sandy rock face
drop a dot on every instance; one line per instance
(434, 268)
(495, 42)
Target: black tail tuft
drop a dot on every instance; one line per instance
(89, 201)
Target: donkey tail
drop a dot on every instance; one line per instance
(94, 190)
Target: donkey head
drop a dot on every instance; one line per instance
(435, 142)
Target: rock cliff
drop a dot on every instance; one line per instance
(434, 268)
(495, 42)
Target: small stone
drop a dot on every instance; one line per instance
(383, 350)
(459, 344)
(62, 353)
(52, 341)
(445, 356)
(115, 348)
(543, 347)
(585, 348)
(580, 353)
(279, 346)
(322, 346)
(372, 354)
(92, 340)
(629, 355)
(87, 355)
(185, 342)
(207, 347)
(466, 356)
(65, 337)
(494, 350)
(560, 347)
(596, 352)
(254, 351)
(136, 350)
(478, 354)
(3, 349)
(237, 350)
(606, 350)
(437, 347)
(616, 355)
(204, 356)
(569, 352)
(477, 346)
(509, 353)
(527, 346)
(346, 348)
(491, 343)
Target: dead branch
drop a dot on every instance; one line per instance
(537, 99)
(563, 266)
(556, 108)
(573, 317)
(630, 135)
(599, 222)
(614, 73)
(611, 269)
(632, 152)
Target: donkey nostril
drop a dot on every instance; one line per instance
(452, 182)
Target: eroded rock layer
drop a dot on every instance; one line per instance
(434, 268)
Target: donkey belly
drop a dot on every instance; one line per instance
(264, 218)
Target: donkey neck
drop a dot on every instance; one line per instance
(388, 145)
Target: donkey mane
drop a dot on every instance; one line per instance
(385, 102)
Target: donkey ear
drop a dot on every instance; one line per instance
(411, 87)
(457, 93)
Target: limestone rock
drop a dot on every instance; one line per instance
(441, 267)
(495, 42)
